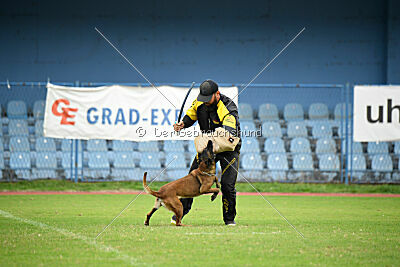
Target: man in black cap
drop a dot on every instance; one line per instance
(213, 110)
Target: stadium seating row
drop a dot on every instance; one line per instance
(271, 145)
(292, 112)
(328, 166)
(44, 144)
(99, 164)
(20, 127)
(322, 146)
(294, 129)
(102, 164)
(17, 109)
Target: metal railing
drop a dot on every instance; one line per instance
(345, 173)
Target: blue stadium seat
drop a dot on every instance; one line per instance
(39, 128)
(122, 146)
(175, 160)
(148, 146)
(124, 167)
(1, 125)
(271, 129)
(303, 162)
(397, 148)
(268, 112)
(300, 145)
(293, 111)
(342, 114)
(249, 145)
(192, 148)
(20, 162)
(274, 145)
(357, 166)
(357, 148)
(252, 165)
(174, 146)
(150, 162)
(318, 111)
(38, 109)
(277, 165)
(99, 167)
(297, 129)
(396, 174)
(66, 161)
(123, 160)
(277, 162)
(322, 129)
(19, 144)
(329, 166)
(245, 111)
(325, 145)
(329, 162)
(247, 126)
(123, 174)
(177, 166)
(377, 148)
(303, 167)
(16, 110)
(67, 143)
(176, 174)
(1, 145)
(97, 145)
(18, 128)
(46, 165)
(382, 165)
(44, 144)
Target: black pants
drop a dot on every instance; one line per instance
(229, 162)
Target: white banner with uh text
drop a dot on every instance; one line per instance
(119, 112)
(376, 113)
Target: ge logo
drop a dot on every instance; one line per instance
(65, 111)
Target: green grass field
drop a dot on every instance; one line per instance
(60, 230)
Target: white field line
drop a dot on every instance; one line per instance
(89, 241)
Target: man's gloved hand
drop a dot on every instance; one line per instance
(179, 126)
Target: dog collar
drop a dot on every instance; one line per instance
(209, 174)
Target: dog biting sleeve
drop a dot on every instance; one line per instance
(222, 140)
(201, 141)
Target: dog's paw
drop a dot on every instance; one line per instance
(213, 197)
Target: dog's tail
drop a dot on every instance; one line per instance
(147, 188)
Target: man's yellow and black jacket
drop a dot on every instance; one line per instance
(223, 114)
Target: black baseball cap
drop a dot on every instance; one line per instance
(207, 89)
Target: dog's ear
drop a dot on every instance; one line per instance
(210, 145)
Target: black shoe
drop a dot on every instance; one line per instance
(230, 223)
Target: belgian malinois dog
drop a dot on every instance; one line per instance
(196, 183)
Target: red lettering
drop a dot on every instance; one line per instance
(65, 114)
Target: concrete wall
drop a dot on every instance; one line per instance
(184, 41)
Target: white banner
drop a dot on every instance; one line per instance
(119, 112)
(376, 113)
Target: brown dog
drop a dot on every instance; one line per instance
(196, 183)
